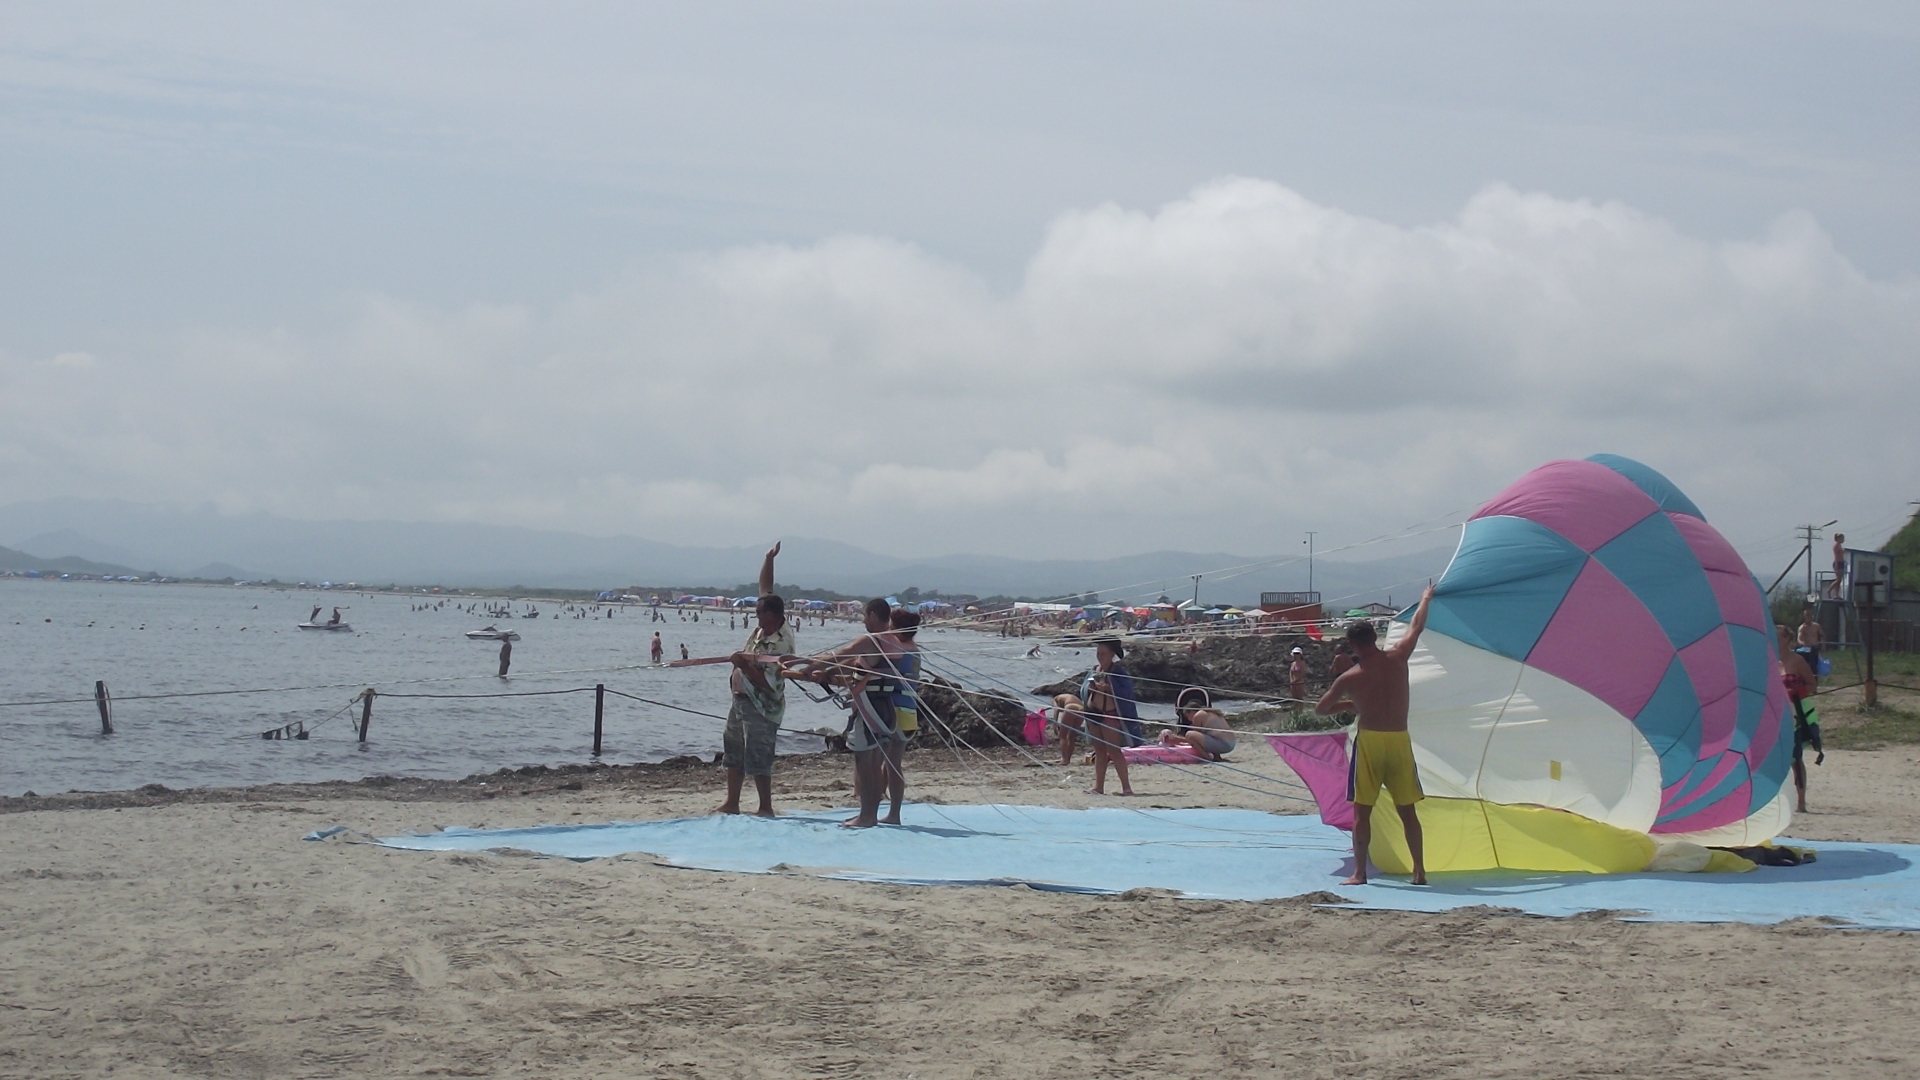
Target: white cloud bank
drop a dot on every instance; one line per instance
(1217, 375)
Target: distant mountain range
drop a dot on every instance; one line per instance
(19, 562)
(204, 543)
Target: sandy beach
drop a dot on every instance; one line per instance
(153, 934)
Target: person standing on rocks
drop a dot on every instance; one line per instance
(1297, 676)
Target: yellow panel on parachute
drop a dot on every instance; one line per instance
(1472, 834)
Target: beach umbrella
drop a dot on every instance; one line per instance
(1597, 678)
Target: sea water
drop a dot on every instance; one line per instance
(58, 638)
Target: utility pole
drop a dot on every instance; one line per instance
(1309, 543)
(1196, 592)
(1809, 533)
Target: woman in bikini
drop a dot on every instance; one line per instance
(1108, 733)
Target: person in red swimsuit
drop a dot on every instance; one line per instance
(1797, 677)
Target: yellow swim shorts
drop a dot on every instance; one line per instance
(1383, 759)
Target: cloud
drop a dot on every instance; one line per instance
(1216, 374)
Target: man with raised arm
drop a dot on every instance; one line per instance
(1375, 687)
(759, 698)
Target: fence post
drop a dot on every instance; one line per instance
(599, 712)
(101, 698)
(366, 712)
(1870, 692)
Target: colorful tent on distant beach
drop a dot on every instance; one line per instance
(1597, 679)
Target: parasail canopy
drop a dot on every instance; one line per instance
(1598, 650)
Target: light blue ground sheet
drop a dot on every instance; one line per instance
(1218, 854)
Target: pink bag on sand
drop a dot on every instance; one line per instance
(1036, 731)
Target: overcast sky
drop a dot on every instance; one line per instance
(1018, 278)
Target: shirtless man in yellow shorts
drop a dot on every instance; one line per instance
(1376, 688)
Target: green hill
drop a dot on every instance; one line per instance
(20, 562)
(1905, 546)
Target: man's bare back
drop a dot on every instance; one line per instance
(1376, 686)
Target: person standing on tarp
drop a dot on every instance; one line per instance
(759, 698)
(1376, 687)
(865, 666)
(906, 706)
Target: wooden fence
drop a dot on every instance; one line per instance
(1892, 635)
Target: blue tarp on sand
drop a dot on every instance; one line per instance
(1220, 854)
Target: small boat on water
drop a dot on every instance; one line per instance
(325, 626)
(490, 633)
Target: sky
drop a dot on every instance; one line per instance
(1026, 279)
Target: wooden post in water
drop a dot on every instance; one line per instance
(599, 712)
(101, 699)
(366, 712)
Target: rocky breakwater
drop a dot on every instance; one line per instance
(1253, 666)
(951, 714)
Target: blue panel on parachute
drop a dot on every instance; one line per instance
(1653, 560)
(1658, 488)
(1671, 723)
(1753, 705)
(1753, 664)
(1753, 658)
(1773, 769)
(1504, 585)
